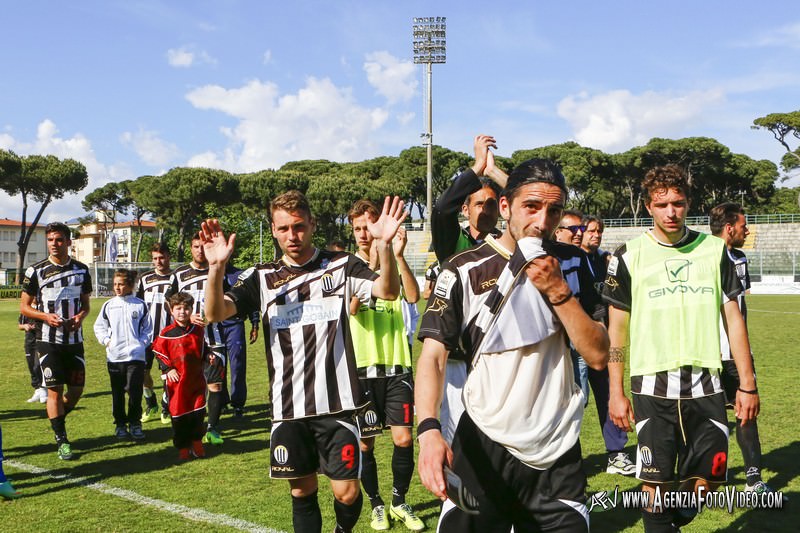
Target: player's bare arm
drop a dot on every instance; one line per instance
(434, 452)
(409, 281)
(383, 230)
(747, 403)
(589, 337)
(218, 250)
(619, 407)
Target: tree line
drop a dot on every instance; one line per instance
(604, 184)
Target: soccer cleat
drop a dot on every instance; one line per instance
(35, 397)
(759, 487)
(7, 491)
(212, 436)
(122, 433)
(183, 454)
(620, 463)
(65, 451)
(165, 418)
(42, 395)
(149, 413)
(137, 433)
(405, 514)
(380, 522)
(197, 449)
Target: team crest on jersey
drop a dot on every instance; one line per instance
(48, 373)
(328, 283)
(135, 314)
(371, 417)
(281, 454)
(438, 306)
(646, 455)
(444, 284)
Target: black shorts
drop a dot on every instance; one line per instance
(391, 403)
(729, 377)
(327, 443)
(215, 372)
(511, 493)
(62, 364)
(692, 431)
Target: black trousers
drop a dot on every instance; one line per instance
(126, 377)
(187, 428)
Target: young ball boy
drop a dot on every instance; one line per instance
(181, 352)
(124, 328)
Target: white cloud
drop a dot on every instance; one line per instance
(618, 120)
(320, 121)
(405, 118)
(785, 36)
(185, 57)
(150, 148)
(49, 142)
(267, 58)
(392, 78)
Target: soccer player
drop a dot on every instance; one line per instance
(151, 288)
(728, 222)
(516, 448)
(304, 300)
(573, 230)
(61, 287)
(475, 198)
(192, 278)
(183, 356)
(29, 327)
(666, 290)
(383, 359)
(123, 326)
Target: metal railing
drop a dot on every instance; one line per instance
(776, 218)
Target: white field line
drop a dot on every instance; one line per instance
(198, 515)
(773, 312)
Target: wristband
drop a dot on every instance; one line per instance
(427, 425)
(754, 391)
(563, 300)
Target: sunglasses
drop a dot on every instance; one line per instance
(574, 229)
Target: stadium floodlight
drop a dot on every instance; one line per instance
(429, 44)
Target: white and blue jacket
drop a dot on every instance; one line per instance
(124, 328)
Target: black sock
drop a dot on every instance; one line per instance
(214, 409)
(369, 478)
(306, 515)
(747, 437)
(59, 428)
(658, 522)
(347, 515)
(151, 399)
(402, 470)
(165, 402)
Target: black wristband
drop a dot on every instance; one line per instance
(754, 391)
(563, 300)
(428, 424)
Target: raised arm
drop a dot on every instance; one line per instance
(409, 282)
(218, 251)
(383, 230)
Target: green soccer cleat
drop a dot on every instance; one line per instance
(380, 522)
(165, 418)
(8, 492)
(65, 451)
(150, 413)
(213, 437)
(405, 514)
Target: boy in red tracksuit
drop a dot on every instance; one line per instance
(181, 352)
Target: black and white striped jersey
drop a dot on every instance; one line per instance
(58, 289)
(152, 288)
(187, 278)
(739, 260)
(305, 319)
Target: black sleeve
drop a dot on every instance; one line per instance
(591, 302)
(173, 286)
(617, 287)
(30, 282)
(444, 218)
(86, 287)
(731, 285)
(139, 289)
(246, 293)
(442, 317)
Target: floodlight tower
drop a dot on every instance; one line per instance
(429, 48)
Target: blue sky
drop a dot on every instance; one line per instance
(138, 87)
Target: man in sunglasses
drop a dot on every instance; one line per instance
(570, 231)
